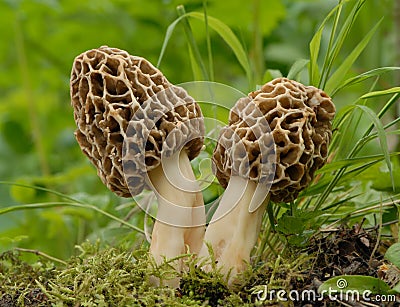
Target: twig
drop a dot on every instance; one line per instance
(41, 254)
(344, 304)
(383, 225)
(378, 237)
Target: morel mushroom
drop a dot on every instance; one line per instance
(256, 163)
(128, 117)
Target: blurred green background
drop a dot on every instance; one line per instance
(38, 42)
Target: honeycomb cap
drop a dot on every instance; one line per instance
(122, 103)
(299, 119)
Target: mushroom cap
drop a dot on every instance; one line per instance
(299, 119)
(110, 91)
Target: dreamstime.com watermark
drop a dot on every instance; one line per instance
(264, 294)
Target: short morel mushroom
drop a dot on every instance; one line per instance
(276, 139)
(130, 118)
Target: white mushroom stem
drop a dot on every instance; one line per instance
(179, 225)
(234, 229)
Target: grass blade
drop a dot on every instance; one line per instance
(381, 135)
(393, 90)
(339, 75)
(229, 37)
(222, 29)
(389, 104)
(344, 32)
(328, 185)
(196, 56)
(341, 201)
(392, 123)
(383, 111)
(328, 59)
(8, 209)
(315, 45)
(209, 49)
(372, 136)
(197, 71)
(352, 162)
(167, 37)
(343, 115)
(68, 204)
(339, 123)
(62, 195)
(364, 76)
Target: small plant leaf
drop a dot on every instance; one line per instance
(299, 227)
(296, 68)
(271, 74)
(358, 283)
(393, 254)
(13, 240)
(396, 288)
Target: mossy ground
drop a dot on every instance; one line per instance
(115, 277)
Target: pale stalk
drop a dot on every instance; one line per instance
(179, 228)
(233, 230)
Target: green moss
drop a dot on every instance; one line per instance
(97, 277)
(18, 284)
(198, 285)
(114, 277)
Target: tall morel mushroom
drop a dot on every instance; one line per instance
(276, 139)
(129, 117)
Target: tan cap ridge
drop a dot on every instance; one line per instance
(109, 88)
(299, 118)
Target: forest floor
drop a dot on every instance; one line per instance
(113, 277)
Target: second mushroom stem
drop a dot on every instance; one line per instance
(179, 225)
(233, 230)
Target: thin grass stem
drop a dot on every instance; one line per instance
(258, 59)
(68, 204)
(330, 44)
(30, 98)
(192, 42)
(62, 195)
(41, 254)
(208, 40)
